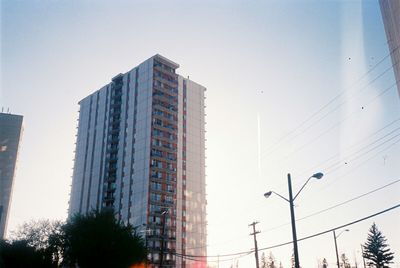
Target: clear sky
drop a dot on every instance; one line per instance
(268, 67)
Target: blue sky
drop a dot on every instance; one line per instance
(279, 61)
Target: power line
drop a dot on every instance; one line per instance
(301, 239)
(339, 162)
(335, 125)
(335, 206)
(351, 146)
(333, 170)
(346, 160)
(370, 150)
(338, 123)
(336, 228)
(362, 163)
(271, 148)
(365, 147)
(215, 261)
(380, 151)
(349, 200)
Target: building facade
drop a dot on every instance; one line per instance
(140, 151)
(10, 134)
(390, 10)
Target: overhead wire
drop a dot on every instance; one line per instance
(346, 160)
(320, 164)
(359, 165)
(313, 214)
(271, 148)
(298, 240)
(335, 125)
(339, 105)
(338, 123)
(332, 167)
(334, 206)
(343, 91)
(335, 228)
(349, 161)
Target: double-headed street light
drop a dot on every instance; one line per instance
(336, 237)
(291, 199)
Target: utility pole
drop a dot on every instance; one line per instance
(337, 254)
(254, 234)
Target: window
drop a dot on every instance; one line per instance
(169, 199)
(156, 186)
(170, 188)
(155, 197)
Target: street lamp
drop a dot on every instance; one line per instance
(291, 199)
(164, 214)
(336, 237)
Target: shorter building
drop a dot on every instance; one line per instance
(10, 133)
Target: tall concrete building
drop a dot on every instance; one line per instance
(140, 151)
(390, 10)
(10, 133)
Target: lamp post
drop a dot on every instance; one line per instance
(335, 237)
(164, 214)
(291, 199)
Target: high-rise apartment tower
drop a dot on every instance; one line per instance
(140, 151)
(10, 133)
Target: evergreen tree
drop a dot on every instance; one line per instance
(263, 261)
(271, 261)
(324, 263)
(345, 261)
(376, 250)
(292, 262)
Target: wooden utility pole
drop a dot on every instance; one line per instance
(254, 233)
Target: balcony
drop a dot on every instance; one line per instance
(108, 198)
(112, 149)
(173, 92)
(110, 178)
(112, 160)
(165, 97)
(170, 129)
(165, 109)
(114, 131)
(172, 83)
(116, 104)
(166, 70)
(114, 140)
(170, 101)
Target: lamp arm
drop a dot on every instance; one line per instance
(302, 187)
(341, 233)
(284, 198)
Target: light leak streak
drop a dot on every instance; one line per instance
(259, 145)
